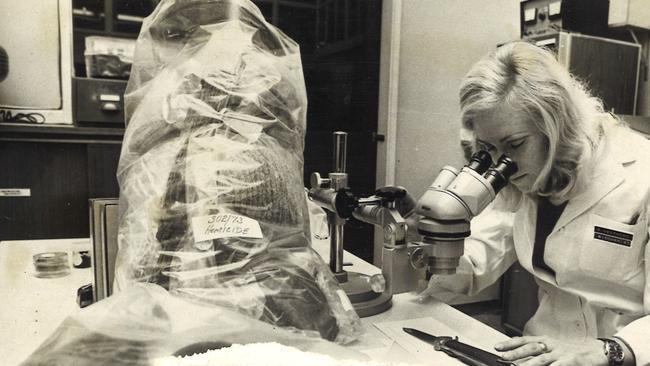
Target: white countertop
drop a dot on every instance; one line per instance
(32, 308)
(409, 310)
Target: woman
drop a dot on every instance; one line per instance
(574, 215)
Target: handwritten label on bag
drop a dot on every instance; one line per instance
(225, 226)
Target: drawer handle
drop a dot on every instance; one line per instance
(110, 107)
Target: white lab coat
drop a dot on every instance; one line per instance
(599, 288)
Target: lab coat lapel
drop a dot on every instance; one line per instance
(525, 232)
(526, 240)
(607, 175)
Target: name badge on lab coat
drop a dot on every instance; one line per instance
(613, 236)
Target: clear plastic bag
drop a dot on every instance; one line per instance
(108, 57)
(144, 324)
(212, 202)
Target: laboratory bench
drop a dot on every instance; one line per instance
(32, 308)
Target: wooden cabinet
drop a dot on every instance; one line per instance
(62, 167)
(609, 67)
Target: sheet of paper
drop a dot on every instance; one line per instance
(423, 352)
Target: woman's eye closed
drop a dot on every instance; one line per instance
(517, 143)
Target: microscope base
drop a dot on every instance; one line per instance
(366, 302)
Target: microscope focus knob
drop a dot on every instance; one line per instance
(316, 181)
(345, 202)
(418, 258)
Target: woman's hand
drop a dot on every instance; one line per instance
(534, 351)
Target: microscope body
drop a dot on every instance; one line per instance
(443, 212)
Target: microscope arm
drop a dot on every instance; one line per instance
(389, 219)
(403, 264)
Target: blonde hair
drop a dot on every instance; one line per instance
(529, 77)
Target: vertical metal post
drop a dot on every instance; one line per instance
(339, 180)
(336, 247)
(340, 151)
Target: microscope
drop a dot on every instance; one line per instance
(443, 216)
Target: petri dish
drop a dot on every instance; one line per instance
(51, 264)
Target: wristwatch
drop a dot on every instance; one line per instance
(613, 351)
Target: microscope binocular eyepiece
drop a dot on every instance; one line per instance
(499, 174)
(480, 162)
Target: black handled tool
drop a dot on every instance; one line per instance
(464, 352)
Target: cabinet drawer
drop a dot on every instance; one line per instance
(99, 101)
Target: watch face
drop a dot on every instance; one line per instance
(614, 352)
(619, 357)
